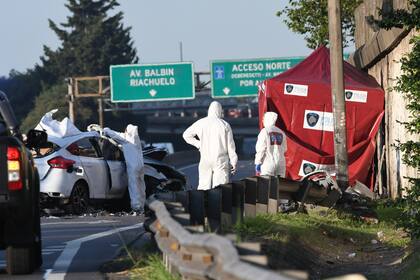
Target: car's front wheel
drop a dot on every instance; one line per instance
(79, 198)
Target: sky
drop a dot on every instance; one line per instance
(208, 30)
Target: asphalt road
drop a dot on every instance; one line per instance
(76, 247)
(245, 168)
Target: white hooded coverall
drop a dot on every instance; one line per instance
(270, 148)
(133, 155)
(216, 146)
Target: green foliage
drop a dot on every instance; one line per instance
(410, 219)
(21, 88)
(151, 268)
(310, 18)
(314, 227)
(53, 98)
(401, 18)
(91, 40)
(409, 84)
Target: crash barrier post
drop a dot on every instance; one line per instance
(196, 207)
(214, 209)
(263, 185)
(250, 196)
(273, 196)
(200, 256)
(226, 216)
(238, 192)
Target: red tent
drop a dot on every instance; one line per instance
(302, 98)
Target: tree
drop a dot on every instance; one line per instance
(21, 88)
(409, 84)
(52, 98)
(310, 18)
(91, 39)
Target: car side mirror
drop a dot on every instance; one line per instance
(36, 139)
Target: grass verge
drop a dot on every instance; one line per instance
(329, 242)
(140, 261)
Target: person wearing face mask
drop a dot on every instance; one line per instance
(270, 148)
(213, 137)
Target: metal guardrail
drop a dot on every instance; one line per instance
(201, 256)
(211, 256)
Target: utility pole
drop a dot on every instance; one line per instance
(337, 92)
(71, 99)
(101, 103)
(101, 111)
(181, 55)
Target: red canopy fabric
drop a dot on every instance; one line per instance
(302, 98)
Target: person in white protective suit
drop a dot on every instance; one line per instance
(270, 148)
(213, 137)
(132, 150)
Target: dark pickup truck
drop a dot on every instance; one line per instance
(20, 230)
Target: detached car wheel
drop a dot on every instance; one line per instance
(79, 199)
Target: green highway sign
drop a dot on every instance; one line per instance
(236, 78)
(152, 82)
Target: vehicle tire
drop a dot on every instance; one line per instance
(20, 260)
(79, 199)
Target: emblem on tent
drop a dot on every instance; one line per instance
(349, 94)
(308, 168)
(289, 88)
(312, 119)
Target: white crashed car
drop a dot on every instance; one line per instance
(73, 171)
(77, 170)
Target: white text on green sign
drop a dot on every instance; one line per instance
(235, 78)
(152, 82)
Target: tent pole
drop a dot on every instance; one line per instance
(337, 92)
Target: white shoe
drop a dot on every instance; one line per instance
(137, 212)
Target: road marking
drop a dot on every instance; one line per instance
(63, 262)
(188, 167)
(83, 222)
(56, 246)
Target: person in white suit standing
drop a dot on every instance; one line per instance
(270, 148)
(133, 155)
(213, 137)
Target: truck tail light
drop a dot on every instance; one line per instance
(13, 168)
(61, 163)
